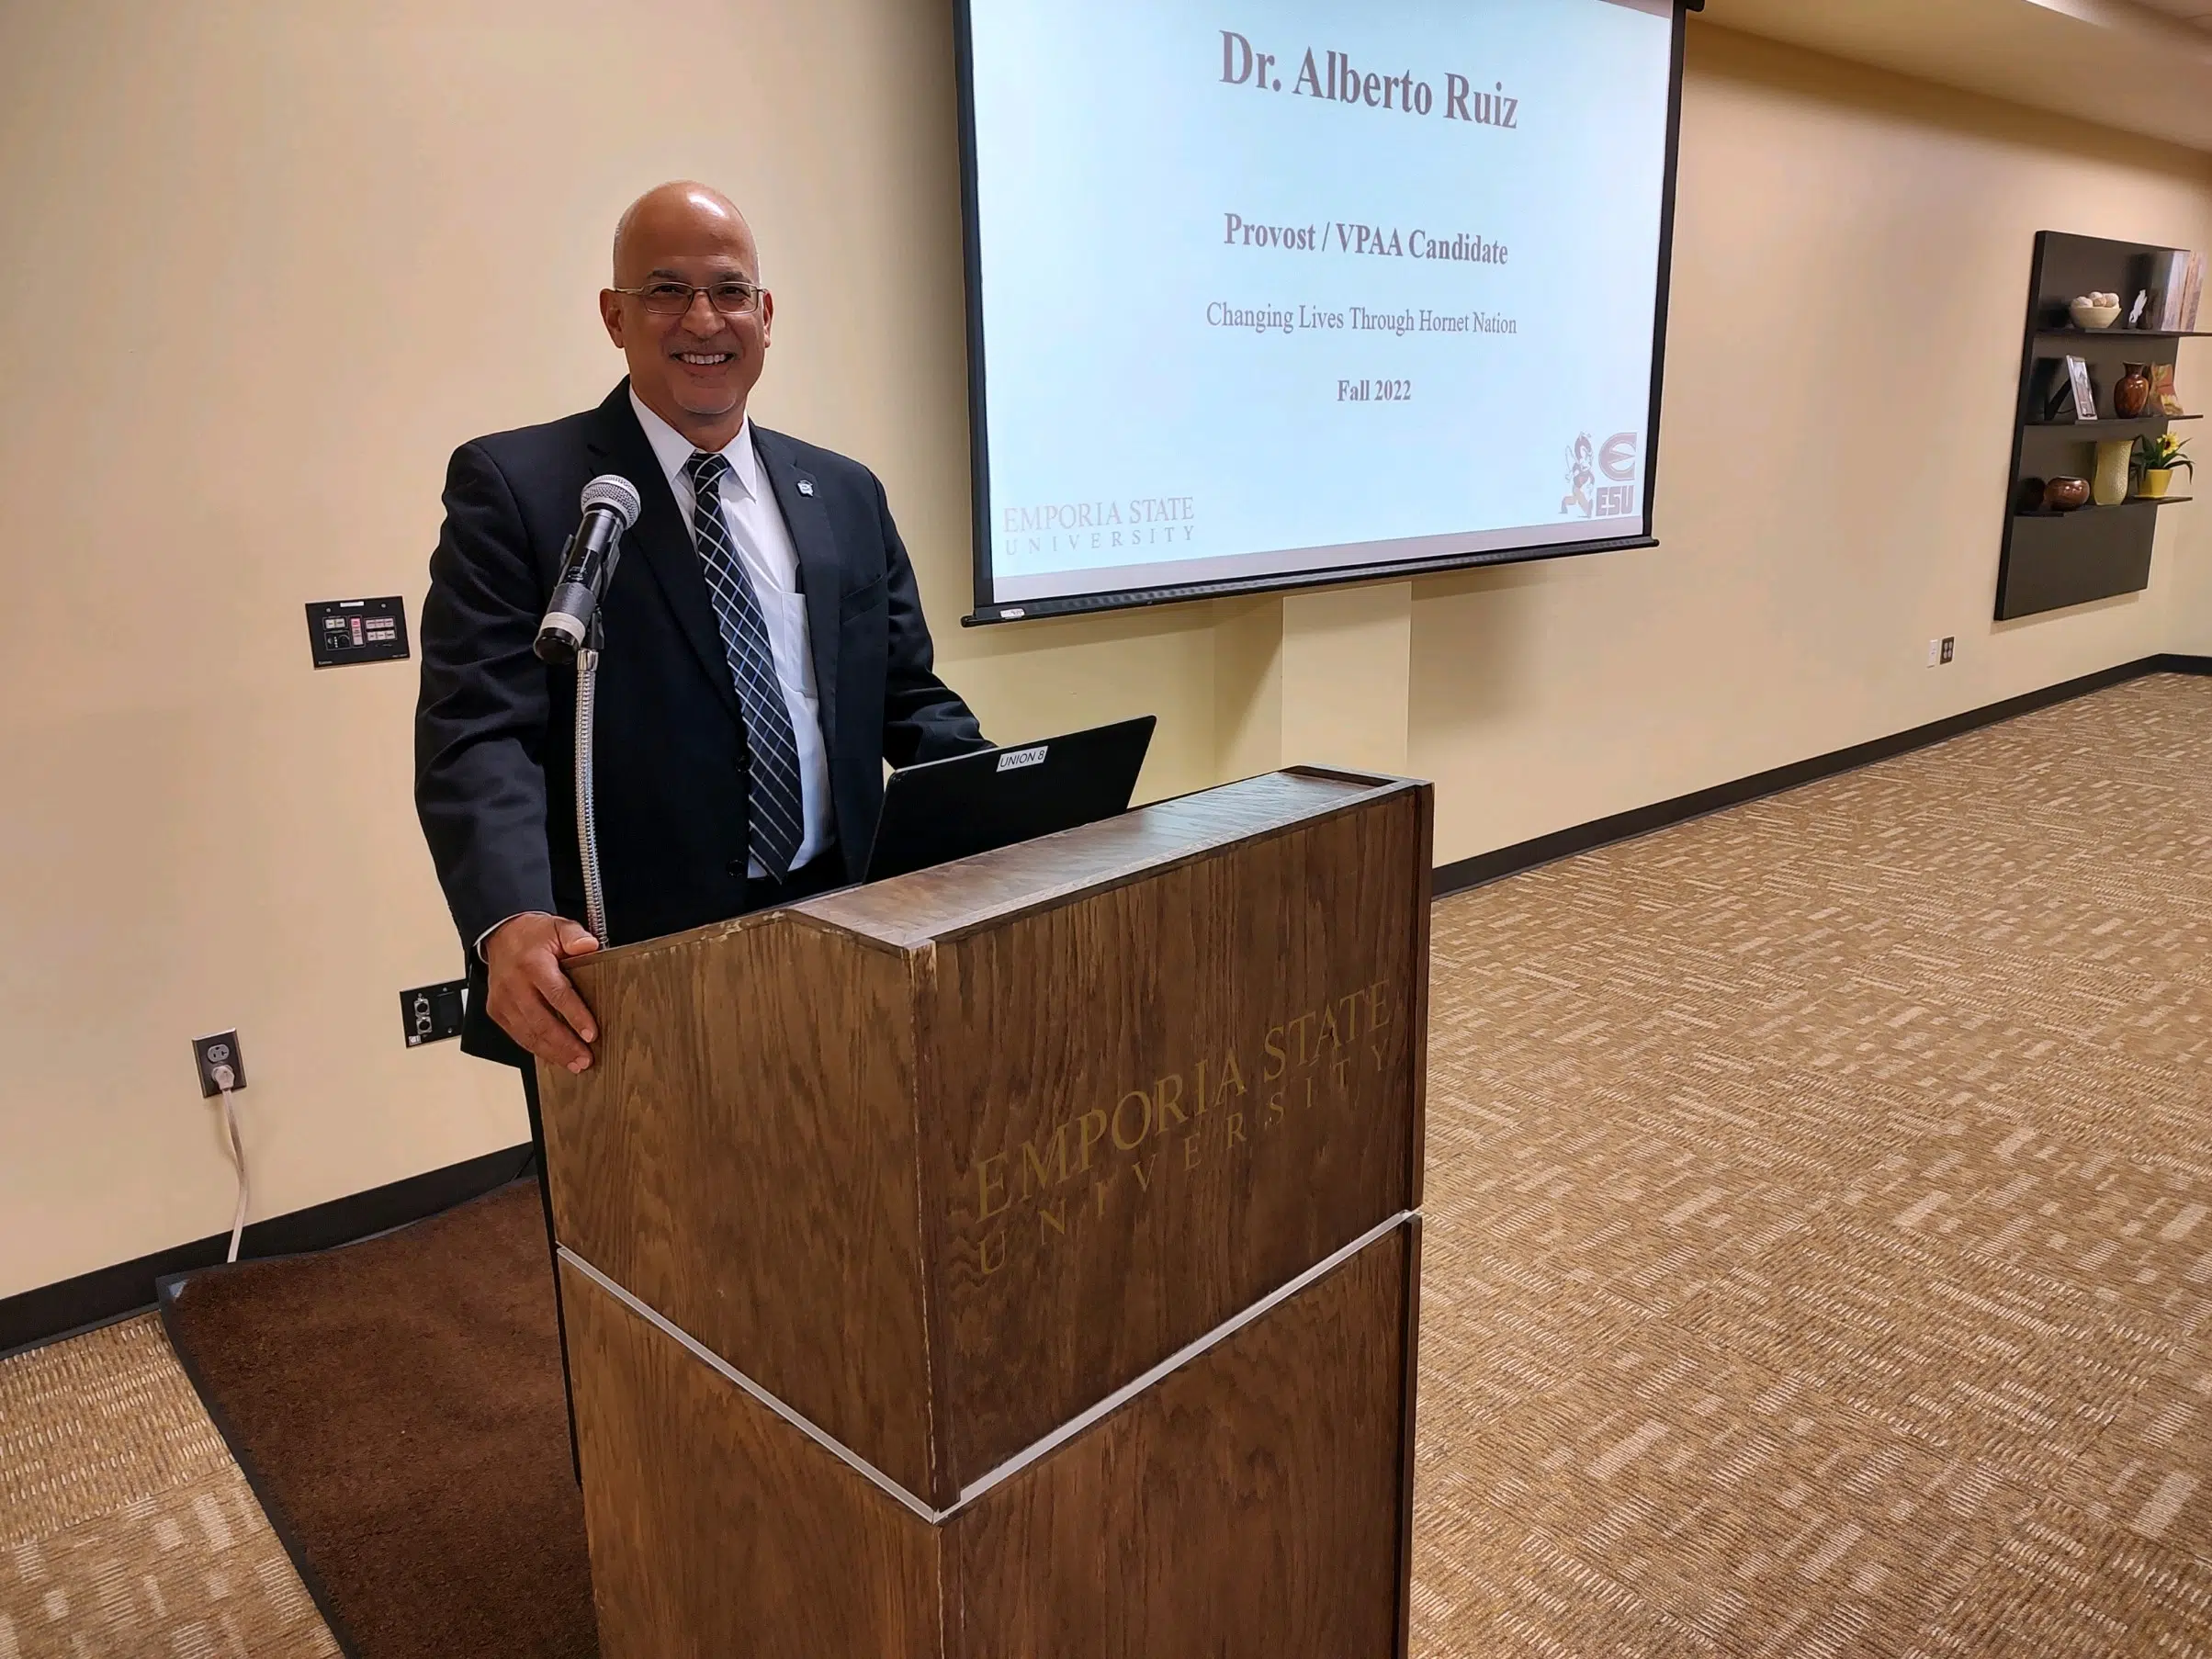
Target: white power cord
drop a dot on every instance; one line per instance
(226, 1080)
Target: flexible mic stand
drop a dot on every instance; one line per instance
(587, 698)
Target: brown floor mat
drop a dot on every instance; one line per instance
(397, 1406)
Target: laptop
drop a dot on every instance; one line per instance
(941, 810)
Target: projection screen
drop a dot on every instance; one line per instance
(1288, 292)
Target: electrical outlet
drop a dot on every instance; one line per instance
(1950, 647)
(222, 1049)
(431, 1013)
(1934, 652)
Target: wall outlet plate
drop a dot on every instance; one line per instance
(1934, 652)
(1950, 647)
(222, 1049)
(431, 1013)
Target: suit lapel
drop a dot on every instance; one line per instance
(660, 540)
(820, 573)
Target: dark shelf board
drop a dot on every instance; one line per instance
(2113, 427)
(2126, 334)
(2091, 507)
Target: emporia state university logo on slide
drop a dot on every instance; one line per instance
(1615, 459)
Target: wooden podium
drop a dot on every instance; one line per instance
(1018, 1259)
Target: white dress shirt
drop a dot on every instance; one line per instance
(748, 506)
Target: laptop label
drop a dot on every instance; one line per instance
(1013, 760)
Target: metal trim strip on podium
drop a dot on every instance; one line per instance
(1030, 1454)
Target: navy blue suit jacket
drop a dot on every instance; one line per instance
(494, 743)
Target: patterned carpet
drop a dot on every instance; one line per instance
(125, 1527)
(1819, 1256)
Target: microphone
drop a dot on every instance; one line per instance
(611, 505)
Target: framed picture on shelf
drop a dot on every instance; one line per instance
(2172, 279)
(2084, 395)
(2161, 389)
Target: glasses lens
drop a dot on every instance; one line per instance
(732, 298)
(667, 299)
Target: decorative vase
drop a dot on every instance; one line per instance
(2064, 494)
(2156, 480)
(2132, 395)
(2110, 487)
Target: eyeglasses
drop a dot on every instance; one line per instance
(731, 296)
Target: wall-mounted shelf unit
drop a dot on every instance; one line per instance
(2054, 559)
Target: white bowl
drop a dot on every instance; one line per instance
(2086, 315)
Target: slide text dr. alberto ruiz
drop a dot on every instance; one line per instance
(1335, 81)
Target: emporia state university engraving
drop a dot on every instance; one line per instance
(1154, 1134)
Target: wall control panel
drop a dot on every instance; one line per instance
(342, 631)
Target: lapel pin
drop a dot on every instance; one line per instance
(806, 486)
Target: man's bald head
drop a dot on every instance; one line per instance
(693, 361)
(683, 214)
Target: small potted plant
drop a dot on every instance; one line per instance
(2158, 454)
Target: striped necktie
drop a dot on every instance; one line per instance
(777, 826)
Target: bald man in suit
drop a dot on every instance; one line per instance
(765, 649)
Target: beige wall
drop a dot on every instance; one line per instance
(268, 264)
(2186, 571)
(1851, 265)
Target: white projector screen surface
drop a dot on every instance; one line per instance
(1288, 291)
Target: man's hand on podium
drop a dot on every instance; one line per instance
(530, 997)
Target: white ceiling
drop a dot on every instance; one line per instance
(2199, 12)
(2135, 65)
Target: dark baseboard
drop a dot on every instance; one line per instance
(107, 1294)
(1483, 867)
